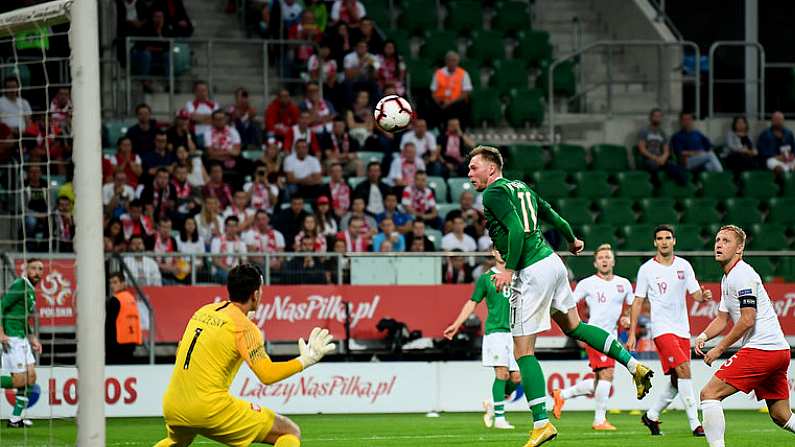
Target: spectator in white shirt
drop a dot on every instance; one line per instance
(228, 244)
(262, 238)
(303, 171)
(118, 193)
(347, 11)
(423, 140)
(457, 239)
(222, 141)
(201, 107)
(361, 68)
(403, 168)
(142, 268)
(240, 209)
(15, 111)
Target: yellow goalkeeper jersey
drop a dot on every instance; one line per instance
(216, 341)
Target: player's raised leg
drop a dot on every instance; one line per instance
(283, 433)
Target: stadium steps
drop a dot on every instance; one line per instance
(58, 348)
(210, 20)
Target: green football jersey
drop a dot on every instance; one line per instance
(496, 302)
(17, 304)
(513, 214)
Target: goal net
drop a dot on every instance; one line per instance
(49, 136)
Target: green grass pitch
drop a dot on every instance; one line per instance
(745, 428)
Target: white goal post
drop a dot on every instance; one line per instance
(86, 125)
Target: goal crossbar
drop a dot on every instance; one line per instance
(51, 13)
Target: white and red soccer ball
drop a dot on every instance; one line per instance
(393, 113)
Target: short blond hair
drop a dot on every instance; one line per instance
(603, 247)
(736, 230)
(489, 153)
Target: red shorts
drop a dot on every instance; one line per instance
(597, 360)
(763, 372)
(673, 351)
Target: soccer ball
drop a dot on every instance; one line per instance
(393, 113)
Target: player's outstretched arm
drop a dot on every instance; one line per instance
(252, 349)
(466, 310)
(548, 214)
(746, 321)
(314, 349)
(714, 328)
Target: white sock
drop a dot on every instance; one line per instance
(691, 408)
(601, 395)
(581, 388)
(632, 365)
(714, 422)
(790, 425)
(663, 400)
(541, 423)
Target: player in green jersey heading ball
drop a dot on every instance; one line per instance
(539, 281)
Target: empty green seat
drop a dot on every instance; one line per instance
(463, 16)
(379, 11)
(551, 184)
(677, 191)
(609, 157)
(473, 68)
(418, 16)
(706, 269)
(439, 187)
(616, 211)
(517, 174)
(782, 210)
(598, 234)
(434, 236)
(457, 186)
(634, 184)
(759, 184)
(251, 155)
(568, 157)
(487, 46)
(115, 130)
(627, 266)
(486, 107)
(525, 156)
(688, 237)
(368, 156)
(769, 236)
(354, 181)
(638, 237)
(763, 265)
(443, 208)
(657, 211)
(718, 185)
(511, 16)
(581, 266)
(526, 106)
(576, 211)
(592, 184)
(420, 74)
(400, 36)
(742, 212)
(564, 81)
(701, 211)
(788, 189)
(182, 58)
(437, 44)
(509, 74)
(533, 47)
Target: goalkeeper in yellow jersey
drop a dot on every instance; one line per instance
(217, 339)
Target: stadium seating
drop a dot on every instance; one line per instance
(439, 187)
(551, 184)
(486, 47)
(416, 17)
(598, 234)
(420, 75)
(564, 81)
(486, 106)
(379, 11)
(702, 211)
(656, 211)
(533, 47)
(718, 185)
(592, 184)
(788, 179)
(526, 157)
(568, 157)
(609, 157)
(576, 211)
(688, 237)
(707, 270)
(435, 236)
(638, 237)
(616, 211)
(443, 208)
(115, 129)
(509, 74)
(368, 156)
(742, 212)
(457, 186)
(670, 188)
(353, 182)
(759, 184)
(634, 184)
(763, 265)
(526, 106)
(627, 266)
(251, 155)
(473, 68)
(400, 36)
(511, 16)
(437, 44)
(581, 266)
(769, 236)
(182, 58)
(463, 16)
(782, 210)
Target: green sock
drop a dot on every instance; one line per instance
(20, 405)
(603, 342)
(510, 387)
(6, 382)
(498, 397)
(534, 386)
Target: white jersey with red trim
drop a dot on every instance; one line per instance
(742, 287)
(666, 287)
(605, 300)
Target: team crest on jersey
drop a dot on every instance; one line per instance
(743, 292)
(680, 274)
(620, 288)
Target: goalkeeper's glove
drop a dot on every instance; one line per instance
(318, 345)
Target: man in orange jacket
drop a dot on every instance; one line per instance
(122, 323)
(450, 89)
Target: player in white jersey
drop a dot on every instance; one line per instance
(665, 281)
(762, 362)
(605, 294)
